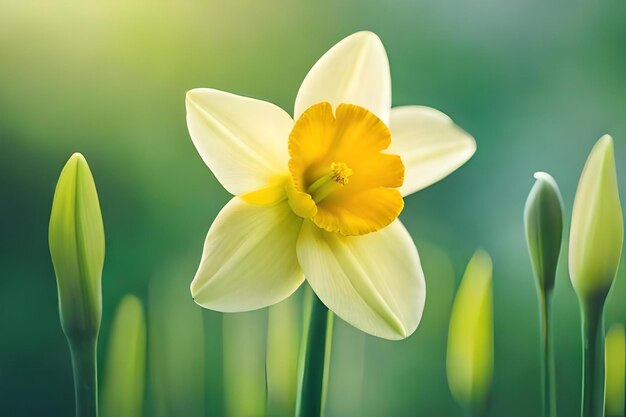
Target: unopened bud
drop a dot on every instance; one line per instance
(76, 239)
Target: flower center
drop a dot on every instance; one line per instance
(340, 178)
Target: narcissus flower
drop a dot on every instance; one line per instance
(319, 195)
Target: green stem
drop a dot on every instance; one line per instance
(314, 357)
(548, 369)
(476, 411)
(84, 362)
(593, 360)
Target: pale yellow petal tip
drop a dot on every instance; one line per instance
(365, 36)
(365, 39)
(399, 334)
(398, 328)
(406, 332)
(466, 141)
(606, 140)
(194, 288)
(204, 294)
(471, 144)
(194, 96)
(191, 95)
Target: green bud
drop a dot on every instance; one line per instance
(543, 218)
(126, 361)
(615, 353)
(597, 230)
(76, 238)
(470, 337)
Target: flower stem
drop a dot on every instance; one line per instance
(314, 360)
(84, 363)
(548, 370)
(476, 410)
(593, 360)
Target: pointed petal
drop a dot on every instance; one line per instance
(354, 71)
(430, 144)
(242, 140)
(374, 282)
(249, 258)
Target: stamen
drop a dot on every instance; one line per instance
(327, 184)
(341, 172)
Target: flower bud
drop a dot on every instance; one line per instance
(470, 338)
(543, 219)
(126, 361)
(76, 239)
(597, 230)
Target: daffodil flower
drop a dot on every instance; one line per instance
(318, 195)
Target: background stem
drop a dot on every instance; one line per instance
(314, 360)
(593, 360)
(548, 369)
(84, 363)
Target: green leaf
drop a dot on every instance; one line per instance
(76, 239)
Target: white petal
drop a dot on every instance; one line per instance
(430, 144)
(374, 282)
(242, 140)
(355, 71)
(249, 258)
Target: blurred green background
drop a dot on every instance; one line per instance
(536, 84)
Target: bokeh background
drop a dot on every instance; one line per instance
(536, 84)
